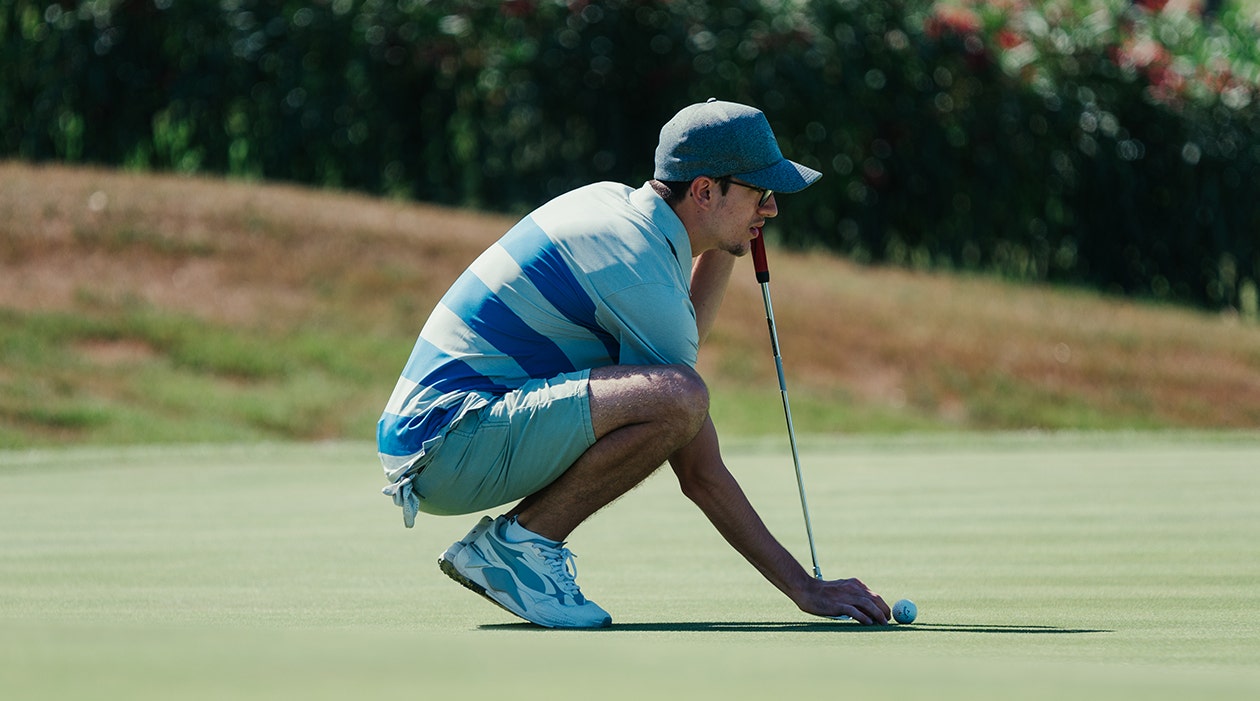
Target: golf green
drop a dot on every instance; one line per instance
(1044, 566)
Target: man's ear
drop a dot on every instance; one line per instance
(703, 191)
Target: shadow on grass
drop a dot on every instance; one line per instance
(817, 627)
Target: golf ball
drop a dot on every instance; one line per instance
(904, 611)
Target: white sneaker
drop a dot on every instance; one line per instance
(533, 580)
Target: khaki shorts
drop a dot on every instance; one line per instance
(509, 449)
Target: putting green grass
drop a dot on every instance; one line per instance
(1109, 566)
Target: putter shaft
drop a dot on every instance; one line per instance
(787, 413)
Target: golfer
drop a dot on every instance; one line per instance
(558, 372)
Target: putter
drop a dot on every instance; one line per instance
(763, 277)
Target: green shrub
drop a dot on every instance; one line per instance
(1079, 141)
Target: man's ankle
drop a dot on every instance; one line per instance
(515, 532)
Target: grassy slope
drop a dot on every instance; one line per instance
(138, 308)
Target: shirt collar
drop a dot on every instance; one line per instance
(664, 219)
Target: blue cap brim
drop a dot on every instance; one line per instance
(784, 176)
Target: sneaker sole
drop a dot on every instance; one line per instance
(448, 568)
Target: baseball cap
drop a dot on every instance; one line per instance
(717, 138)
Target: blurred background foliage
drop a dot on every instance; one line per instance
(1085, 142)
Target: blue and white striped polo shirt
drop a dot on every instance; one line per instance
(598, 276)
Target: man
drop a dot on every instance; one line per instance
(559, 370)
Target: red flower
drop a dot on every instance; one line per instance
(947, 19)
(1008, 39)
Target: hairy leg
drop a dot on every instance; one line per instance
(641, 415)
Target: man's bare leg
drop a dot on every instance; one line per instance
(641, 415)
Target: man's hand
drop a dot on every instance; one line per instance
(844, 597)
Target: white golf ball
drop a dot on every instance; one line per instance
(904, 611)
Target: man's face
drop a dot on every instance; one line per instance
(740, 216)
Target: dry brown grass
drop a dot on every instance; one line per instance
(974, 350)
(889, 349)
(234, 252)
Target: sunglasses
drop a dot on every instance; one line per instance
(765, 193)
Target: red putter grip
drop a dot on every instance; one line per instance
(759, 258)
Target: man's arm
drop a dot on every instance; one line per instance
(710, 274)
(705, 480)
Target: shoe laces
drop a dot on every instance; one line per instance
(561, 562)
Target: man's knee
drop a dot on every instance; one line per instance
(684, 395)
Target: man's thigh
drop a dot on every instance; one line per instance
(624, 395)
(511, 448)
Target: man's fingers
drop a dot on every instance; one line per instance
(864, 613)
(877, 611)
(862, 604)
(854, 613)
(883, 607)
